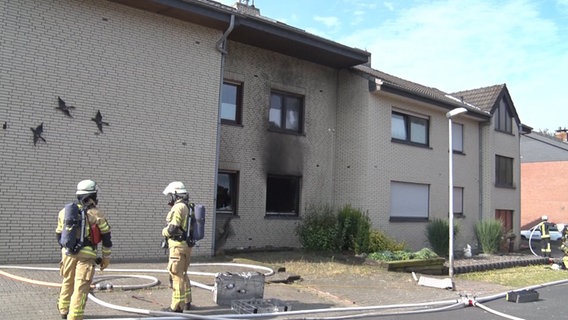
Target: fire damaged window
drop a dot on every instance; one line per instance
(286, 112)
(231, 103)
(283, 195)
(227, 192)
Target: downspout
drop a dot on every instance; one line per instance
(481, 169)
(222, 47)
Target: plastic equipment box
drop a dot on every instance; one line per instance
(522, 296)
(253, 306)
(237, 286)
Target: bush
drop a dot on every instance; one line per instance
(387, 255)
(353, 229)
(489, 233)
(378, 241)
(318, 229)
(437, 233)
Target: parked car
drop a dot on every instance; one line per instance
(555, 234)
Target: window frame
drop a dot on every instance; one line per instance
(504, 172)
(273, 194)
(503, 118)
(233, 192)
(281, 127)
(458, 201)
(238, 103)
(400, 203)
(408, 121)
(457, 138)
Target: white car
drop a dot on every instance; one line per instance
(555, 234)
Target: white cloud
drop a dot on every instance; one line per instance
(330, 22)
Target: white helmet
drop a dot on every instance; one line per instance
(175, 187)
(86, 187)
(544, 218)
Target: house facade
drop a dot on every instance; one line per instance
(544, 166)
(258, 118)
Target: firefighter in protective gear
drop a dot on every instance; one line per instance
(545, 237)
(78, 269)
(564, 247)
(179, 251)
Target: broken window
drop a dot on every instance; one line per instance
(227, 192)
(283, 195)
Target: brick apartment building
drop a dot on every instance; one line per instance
(258, 118)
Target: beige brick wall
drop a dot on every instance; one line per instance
(154, 79)
(367, 161)
(254, 151)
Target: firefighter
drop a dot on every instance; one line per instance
(179, 251)
(564, 247)
(545, 237)
(77, 268)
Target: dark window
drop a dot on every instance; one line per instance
(231, 103)
(503, 120)
(286, 112)
(503, 172)
(227, 192)
(409, 129)
(283, 195)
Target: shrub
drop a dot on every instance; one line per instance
(388, 255)
(353, 229)
(489, 233)
(437, 233)
(318, 229)
(378, 241)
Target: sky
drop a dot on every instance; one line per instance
(452, 45)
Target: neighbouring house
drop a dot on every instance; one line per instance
(544, 168)
(258, 118)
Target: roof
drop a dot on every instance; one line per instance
(538, 147)
(256, 31)
(402, 87)
(487, 98)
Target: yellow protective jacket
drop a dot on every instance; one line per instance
(176, 224)
(94, 216)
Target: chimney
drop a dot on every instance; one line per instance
(562, 134)
(244, 7)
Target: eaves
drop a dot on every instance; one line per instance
(256, 31)
(383, 82)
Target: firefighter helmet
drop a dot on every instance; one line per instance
(86, 187)
(544, 218)
(175, 187)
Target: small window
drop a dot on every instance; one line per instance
(503, 172)
(227, 192)
(458, 201)
(409, 201)
(286, 112)
(503, 119)
(283, 195)
(457, 137)
(231, 103)
(409, 129)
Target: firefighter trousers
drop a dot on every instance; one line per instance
(77, 272)
(178, 264)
